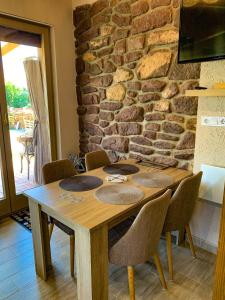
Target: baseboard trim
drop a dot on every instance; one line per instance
(203, 244)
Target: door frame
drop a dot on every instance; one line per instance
(20, 201)
(5, 205)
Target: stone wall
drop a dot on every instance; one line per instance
(130, 89)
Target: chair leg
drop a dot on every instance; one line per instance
(169, 254)
(21, 163)
(130, 271)
(51, 226)
(72, 253)
(188, 230)
(28, 168)
(160, 270)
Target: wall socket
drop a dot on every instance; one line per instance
(213, 121)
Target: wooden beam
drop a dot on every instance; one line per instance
(219, 283)
(8, 48)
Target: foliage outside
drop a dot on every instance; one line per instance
(16, 97)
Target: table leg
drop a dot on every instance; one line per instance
(41, 240)
(92, 263)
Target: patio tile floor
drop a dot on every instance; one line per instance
(21, 181)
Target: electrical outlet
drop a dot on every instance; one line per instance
(213, 121)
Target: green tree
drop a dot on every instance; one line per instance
(16, 97)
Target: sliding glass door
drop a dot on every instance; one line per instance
(27, 127)
(5, 203)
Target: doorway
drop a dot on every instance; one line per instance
(27, 127)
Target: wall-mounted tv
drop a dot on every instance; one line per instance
(202, 31)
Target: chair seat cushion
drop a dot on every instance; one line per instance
(63, 227)
(119, 230)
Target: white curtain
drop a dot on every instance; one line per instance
(41, 135)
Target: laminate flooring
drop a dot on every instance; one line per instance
(193, 278)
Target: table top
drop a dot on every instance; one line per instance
(90, 212)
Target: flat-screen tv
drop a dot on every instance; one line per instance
(202, 31)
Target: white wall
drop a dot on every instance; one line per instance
(209, 149)
(57, 14)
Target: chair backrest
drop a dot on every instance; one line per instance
(28, 124)
(57, 170)
(96, 159)
(182, 203)
(141, 240)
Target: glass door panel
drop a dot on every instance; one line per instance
(5, 206)
(20, 113)
(2, 188)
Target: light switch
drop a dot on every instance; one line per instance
(213, 121)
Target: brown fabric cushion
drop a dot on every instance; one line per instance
(57, 170)
(96, 159)
(142, 238)
(182, 203)
(119, 230)
(54, 171)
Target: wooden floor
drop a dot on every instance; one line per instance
(192, 280)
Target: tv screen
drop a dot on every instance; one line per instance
(202, 31)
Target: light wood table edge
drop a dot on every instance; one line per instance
(134, 208)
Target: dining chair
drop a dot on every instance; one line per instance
(180, 212)
(141, 240)
(96, 159)
(54, 171)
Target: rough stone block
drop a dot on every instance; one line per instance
(102, 81)
(120, 144)
(111, 130)
(153, 86)
(116, 92)
(155, 117)
(153, 126)
(172, 128)
(123, 75)
(155, 64)
(187, 141)
(106, 115)
(167, 137)
(140, 149)
(163, 145)
(171, 90)
(121, 20)
(140, 7)
(111, 106)
(162, 105)
(155, 19)
(148, 97)
(162, 37)
(130, 114)
(185, 105)
(136, 43)
(125, 129)
(141, 141)
(150, 135)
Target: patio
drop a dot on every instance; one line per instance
(22, 183)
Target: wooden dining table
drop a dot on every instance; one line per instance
(91, 220)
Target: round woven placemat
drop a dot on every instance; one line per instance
(119, 194)
(153, 180)
(122, 169)
(80, 183)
